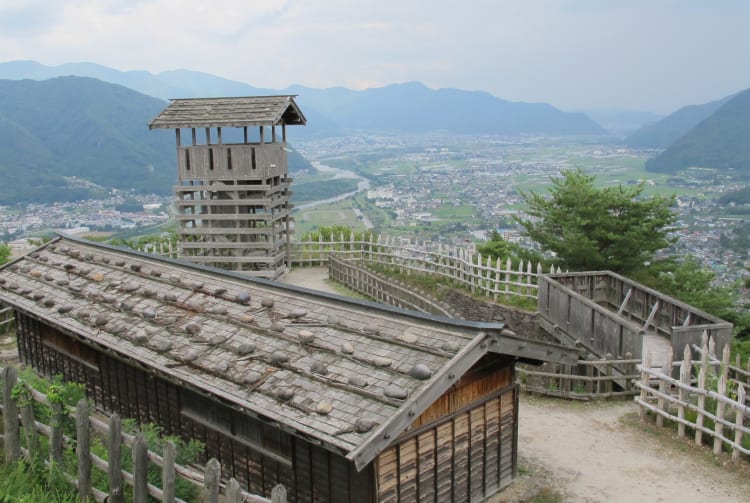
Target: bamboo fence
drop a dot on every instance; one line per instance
(209, 481)
(708, 397)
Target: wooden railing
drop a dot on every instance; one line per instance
(587, 380)
(710, 401)
(208, 482)
(481, 275)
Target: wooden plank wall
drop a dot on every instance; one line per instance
(465, 457)
(461, 448)
(241, 443)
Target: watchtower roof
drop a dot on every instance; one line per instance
(230, 112)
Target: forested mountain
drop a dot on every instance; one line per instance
(720, 141)
(410, 108)
(84, 128)
(663, 133)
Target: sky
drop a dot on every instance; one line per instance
(647, 55)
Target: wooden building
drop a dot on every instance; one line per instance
(233, 194)
(337, 399)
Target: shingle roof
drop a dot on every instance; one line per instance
(286, 353)
(229, 112)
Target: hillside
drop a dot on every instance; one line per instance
(663, 133)
(410, 108)
(720, 141)
(84, 128)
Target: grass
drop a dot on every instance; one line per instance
(327, 215)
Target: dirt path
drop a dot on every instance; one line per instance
(601, 452)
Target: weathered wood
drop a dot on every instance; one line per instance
(738, 422)
(212, 479)
(685, 379)
(114, 471)
(27, 420)
(56, 437)
(168, 473)
(718, 426)
(644, 384)
(278, 494)
(140, 469)
(232, 492)
(11, 430)
(83, 449)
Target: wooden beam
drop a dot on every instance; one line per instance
(625, 302)
(443, 379)
(651, 315)
(195, 140)
(208, 136)
(177, 136)
(533, 350)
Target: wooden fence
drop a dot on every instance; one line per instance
(481, 275)
(6, 319)
(209, 481)
(587, 380)
(707, 399)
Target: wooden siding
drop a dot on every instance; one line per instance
(231, 161)
(256, 453)
(465, 457)
(490, 374)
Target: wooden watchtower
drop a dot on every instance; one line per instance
(232, 204)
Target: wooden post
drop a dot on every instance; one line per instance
(590, 375)
(738, 420)
(661, 402)
(701, 405)
(610, 374)
(83, 449)
(140, 469)
(27, 419)
(12, 439)
(233, 493)
(629, 370)
(278, 494)
(687, 359)
(646, 364)
(718, 427)
(114, 468)
(168, 473)
(211, 481)
(56, 437)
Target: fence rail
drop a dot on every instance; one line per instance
(710, 403)
(587, 380)
(479, 274)
(209, 481)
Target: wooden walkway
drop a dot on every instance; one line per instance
(659, 347)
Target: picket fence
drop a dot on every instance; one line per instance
(463, 266)
(713, 390)
(209, 481)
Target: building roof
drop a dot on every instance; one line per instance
(351, 374)
(229, 112)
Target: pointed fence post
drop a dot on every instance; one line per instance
(646, 364)
(685, 370)
(233, 493)
(140, 469)
(721, 389)
(27, 419)
(661, 401)
(211, 481)
(738, 420)
(278, 494)
(701, 406)
(11, 430)
(83, 449)
(114, 471)
(168, 473)
(508, 270)
(56, 437)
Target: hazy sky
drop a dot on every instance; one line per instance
(654, 55)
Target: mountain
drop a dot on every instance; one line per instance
(415, 108)
(663, 133)
(52, 130)
(409, 108)
(720, 141)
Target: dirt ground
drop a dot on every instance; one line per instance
(600, 451)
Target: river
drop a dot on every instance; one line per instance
(363, 184)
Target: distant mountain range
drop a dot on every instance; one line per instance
(663, 133)
(52, 130)
(721, 141)
(410, 108)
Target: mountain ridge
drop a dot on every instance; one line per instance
(332, 111)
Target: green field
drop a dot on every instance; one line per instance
(326, 215)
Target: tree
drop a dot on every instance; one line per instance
(614, 228)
